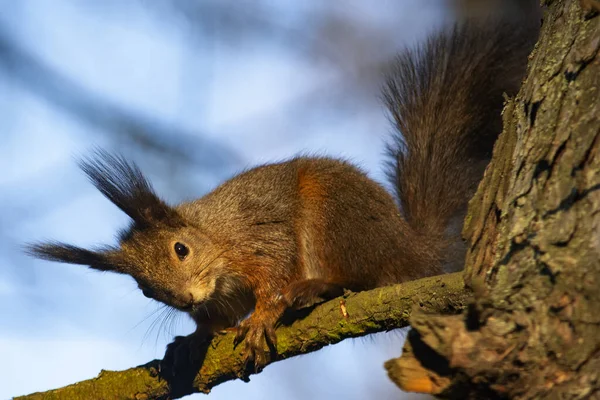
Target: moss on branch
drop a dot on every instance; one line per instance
(353, 315)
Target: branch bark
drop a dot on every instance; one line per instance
(533, 329)
(362, 313)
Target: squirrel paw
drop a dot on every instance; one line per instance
(181, 355)
(309, 292)
(255, 334)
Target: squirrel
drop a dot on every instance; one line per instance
(290, 234)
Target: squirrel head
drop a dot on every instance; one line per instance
(171, 259)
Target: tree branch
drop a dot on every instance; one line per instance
(353, 315)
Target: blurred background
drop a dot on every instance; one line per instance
(193, 91)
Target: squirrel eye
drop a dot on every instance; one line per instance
(181, 250)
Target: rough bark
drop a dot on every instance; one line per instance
(533, 328)
(353, 315)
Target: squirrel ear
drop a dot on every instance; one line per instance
(124, 184)
(104, 260)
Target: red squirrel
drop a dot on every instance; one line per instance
(290, 234)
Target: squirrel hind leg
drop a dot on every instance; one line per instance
(307, 293)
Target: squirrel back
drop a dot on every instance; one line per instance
(446, 99)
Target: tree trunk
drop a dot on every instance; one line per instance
(533, 328)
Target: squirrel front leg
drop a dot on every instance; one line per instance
(259, 329)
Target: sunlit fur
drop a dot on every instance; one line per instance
(445, 98)
(146, 248)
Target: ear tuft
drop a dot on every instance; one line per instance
(105, 260)
(124, 184)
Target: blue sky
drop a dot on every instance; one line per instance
(60, 324)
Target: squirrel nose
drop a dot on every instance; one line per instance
(193, 296)
(189, 297)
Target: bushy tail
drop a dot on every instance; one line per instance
(446, 98)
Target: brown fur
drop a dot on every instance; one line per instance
(294, 233)
(445, 99)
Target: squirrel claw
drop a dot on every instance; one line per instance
(242, 331)
(271, 338)
(256, 335)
